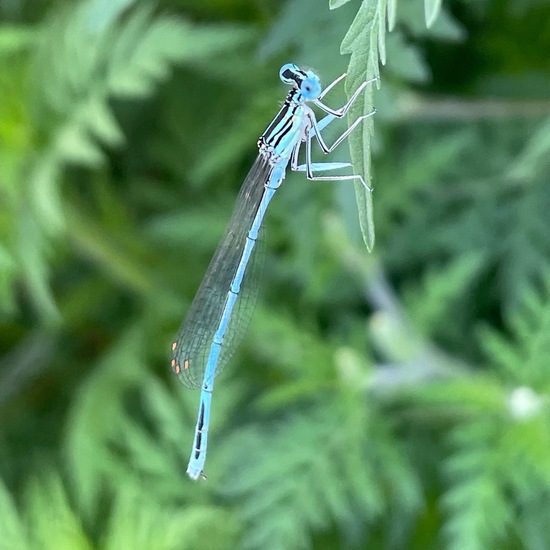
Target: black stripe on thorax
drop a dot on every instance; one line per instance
(283, 131)
(287, 111)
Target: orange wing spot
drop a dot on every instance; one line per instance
(175, 366)
(186, 364)
(174, 346)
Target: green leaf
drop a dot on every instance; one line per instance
(139, 522)
(54, 525)
(382, 35)
(97, 245)
(445, 26)
(431, 10)
(525, 261)
(524, 359)
(95, 417)
(478, 511)
(362, 43)
(405, 60)
(44, 190)
(33, 257)
(534, 156)
(101, 122)
(74, 144)
(439, 300)
(392, 13)
(14, 533)
(333, 4)
(15, 38)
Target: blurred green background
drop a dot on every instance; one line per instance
(393, 400)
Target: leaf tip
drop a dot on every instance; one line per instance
(431, 11)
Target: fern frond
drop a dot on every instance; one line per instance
(478, 509)
(141, 522)
(524, 359)
(441, 297)
(333, 464)
(87, 56)
(500, 463)
(525, 249)
(158, 454)
(502, 457)
(122, 57)
(136, 519)
(95, 419)
(53, 524)
(408, 198)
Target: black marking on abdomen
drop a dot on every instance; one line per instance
(200, 425)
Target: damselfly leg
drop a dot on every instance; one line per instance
(314, 130)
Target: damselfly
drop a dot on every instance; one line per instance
(223, 304)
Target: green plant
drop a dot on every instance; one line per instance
(397, 399)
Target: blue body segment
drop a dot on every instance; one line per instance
(224, 302)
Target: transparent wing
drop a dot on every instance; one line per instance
(192, 345)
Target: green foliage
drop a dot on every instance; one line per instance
(365, 43)
(500, 450)
(357, 478)
(440, 295)
(86, 57)
(479, 510)
(13, 531)
(398, 399)
(523, 361)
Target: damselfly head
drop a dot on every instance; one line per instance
(306, 81)
(289, 73)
